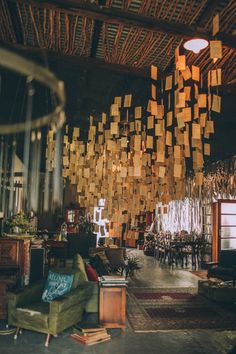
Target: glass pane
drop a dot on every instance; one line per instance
(228, 208)
(71, 216)
(208, 219)
(228, 231)
(228, 243)
(228, 220)
(207, 229)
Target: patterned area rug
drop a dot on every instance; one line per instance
(150, 310)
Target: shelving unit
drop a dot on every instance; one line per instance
(223, 226)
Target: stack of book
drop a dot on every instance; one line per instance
(112, 280)
(92, 335)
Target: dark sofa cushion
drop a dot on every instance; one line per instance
(221, 271)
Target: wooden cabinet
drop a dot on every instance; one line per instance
(112, 307)
(14, 267)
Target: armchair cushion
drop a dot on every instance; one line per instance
(75, 297)
(57, 284)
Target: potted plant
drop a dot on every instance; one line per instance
(133, 263)
(19, 223)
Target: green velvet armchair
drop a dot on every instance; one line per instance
(27, 310)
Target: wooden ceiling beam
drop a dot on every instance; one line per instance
(96, 34)
(211, 6)
(87, 62)
(117, 16)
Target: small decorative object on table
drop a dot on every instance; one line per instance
(85, 224)
(21, 223)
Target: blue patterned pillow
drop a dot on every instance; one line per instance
(57, 285)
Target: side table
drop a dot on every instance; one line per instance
(112, 306)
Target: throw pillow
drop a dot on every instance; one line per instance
(78, 275)
(100, 251)
(99, 266)
(91, 273)
(102, 255)
(57, 285)
(116, 256)
(78, 263)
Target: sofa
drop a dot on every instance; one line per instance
(225, 269)
(27, 310)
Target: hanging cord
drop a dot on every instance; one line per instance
(29, 110)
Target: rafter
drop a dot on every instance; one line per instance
(211, 6)
(127, 18)
(87, 62)
(96, 34)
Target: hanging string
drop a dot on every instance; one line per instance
(47, 179)
(47, 173)
(46, 191)
(1, 168)
(13, 161)
(35, 170)
(5, 169)
(29, 110)
(57, 176)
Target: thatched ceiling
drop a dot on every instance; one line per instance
(124, 35)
